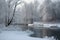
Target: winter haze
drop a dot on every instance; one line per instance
(17, 15)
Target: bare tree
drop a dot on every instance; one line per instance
(31, 12)
(47, 11)
(3, 11)
(16, 3)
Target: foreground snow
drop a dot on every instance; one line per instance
(19, 35)
(14, 33)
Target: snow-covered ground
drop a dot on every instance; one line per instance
(39, 24)
(19, 35)
(12, 33)
(12, 27)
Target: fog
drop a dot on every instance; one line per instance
(21, 11)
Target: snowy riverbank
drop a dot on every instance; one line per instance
(14, 32)
(19, 35)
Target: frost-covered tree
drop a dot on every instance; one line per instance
(12, 4)
(50, 11)
(47, 11)
(57, 9)
(35, 11)
(3, 11)
(31, 12)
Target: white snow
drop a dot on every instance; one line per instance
(8, 33)
(30, 24)
(19, 35)
(39, 24)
